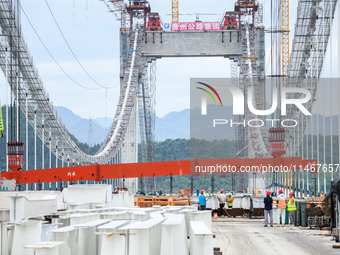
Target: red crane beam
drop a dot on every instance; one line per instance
(166, 168)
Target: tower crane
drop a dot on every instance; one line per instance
(285, 37)
(174, 11)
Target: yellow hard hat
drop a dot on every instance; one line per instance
(229, 194)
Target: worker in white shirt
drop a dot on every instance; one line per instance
(221, 199)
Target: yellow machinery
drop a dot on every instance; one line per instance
(174, 11)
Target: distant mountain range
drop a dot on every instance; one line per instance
(79, 127)
(173, 125)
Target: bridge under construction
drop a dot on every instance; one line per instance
(241, 37)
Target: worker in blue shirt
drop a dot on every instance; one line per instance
(203, 201)
(268, 209)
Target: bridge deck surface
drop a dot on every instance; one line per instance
(249, 236)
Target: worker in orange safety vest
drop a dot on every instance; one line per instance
(281, 200)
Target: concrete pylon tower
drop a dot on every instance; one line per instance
(129, 149)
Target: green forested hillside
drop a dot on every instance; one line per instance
(184, 149)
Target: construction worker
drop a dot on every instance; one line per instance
(221, 199)
(291, 209)
(230, 200)
(202, 201)
(268, 209)
(60, 186)
(281, 200)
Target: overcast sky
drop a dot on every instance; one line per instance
(93, 34)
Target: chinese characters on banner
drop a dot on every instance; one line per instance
(195, 26)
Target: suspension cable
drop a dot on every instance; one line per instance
(338, 90)
(324, 99)
(331, 85)
(71, 50)
(317, 107)
(307, 146)
(48, 51)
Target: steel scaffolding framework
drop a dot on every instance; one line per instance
(312, 32)
(40, 108)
